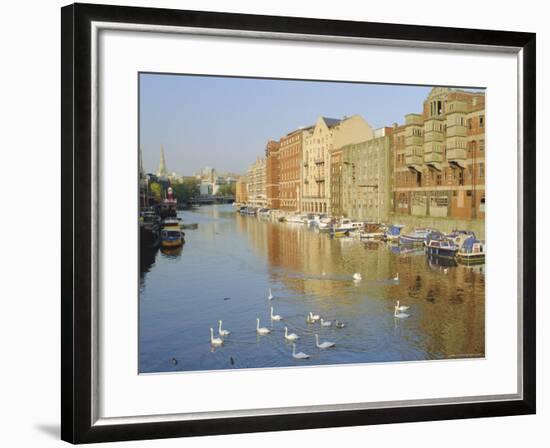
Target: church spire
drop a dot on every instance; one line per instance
(162, 172)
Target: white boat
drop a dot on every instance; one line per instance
(299, 219)
(345, 226)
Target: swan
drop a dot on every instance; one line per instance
(400, 307)
(396, 278)
(325, 344)
(323, 273)
(314, 317)
(261, 330)
(325, 323)
(445, 270)
(275, 316)
(222, 332)
(299, 355)
(357, 276)
(399, 314)
(215, 341)
(270, 296)
(309, 320)
(291, 336)
(340, 324)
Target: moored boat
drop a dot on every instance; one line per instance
(472, 251)
(393, 232)
(171, 234)
(438, 245)
(415, 237)
(372, 231)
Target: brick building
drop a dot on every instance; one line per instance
(273, 174)
(439, 157)
(290, 155)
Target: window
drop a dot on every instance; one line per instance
(482, 121)
(469, 193)
(482, 145)
(481, 170)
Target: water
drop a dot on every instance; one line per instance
(227, 265)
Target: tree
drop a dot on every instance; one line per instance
(186, 189)
(156, 188)
(226, 190)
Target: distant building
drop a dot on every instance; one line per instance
(256, 183)
(241, 193)
(439, 157)
(320, 140)
(162, 171)
(366, 187)
(273, 174)
(290, 156)
(206, 188)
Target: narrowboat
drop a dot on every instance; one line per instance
(472, 251)
(459, 236)
(171, 234)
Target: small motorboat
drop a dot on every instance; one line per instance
(438, 245)
(417, 236)
(471, 252)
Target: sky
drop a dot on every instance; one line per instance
(224, 123)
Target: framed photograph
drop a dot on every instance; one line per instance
(275, 223)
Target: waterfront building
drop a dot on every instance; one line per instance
(290, 155)
(273, 174)
(241, 192)
(205, 188)
(162, 171)
(440, 166)
(256, 183)
(319, 141)
(366, 178)
(336, 181)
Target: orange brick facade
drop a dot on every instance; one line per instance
(290, 156)
(273, 174)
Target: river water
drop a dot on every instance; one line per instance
(228, 264)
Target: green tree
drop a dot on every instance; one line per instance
(156, 188)
(226, 190)
(186, 189)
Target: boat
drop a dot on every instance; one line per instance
(319, 218)
(310, 219)
(298, 219)
(264, 213)
(149, 228)
(372, 231)
(459, 236)
(171, 234)
(168, 207)
(415, 237)
(471, 252)
(325, 224)
(342, 227)
(393, 232)
(438, 245)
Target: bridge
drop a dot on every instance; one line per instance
(206, 200)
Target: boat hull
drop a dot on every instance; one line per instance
(442, 251)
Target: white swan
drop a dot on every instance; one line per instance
(261, 330)
(222, 332)
(445, 270)
(400, 307)
(314, 317)
(325, 344)
(275, 316)
(309, 320)
(291, 336)
(270, 295)
(215, 341)
(299, 355)
(323, 273)
(357, 276)
(399, 314)
(325, 323)
(340, 324)
(396, 278)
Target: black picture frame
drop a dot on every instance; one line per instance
(76, 279)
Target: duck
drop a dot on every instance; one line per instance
(357, 277)
(222, 332)
(275, 316)
(400, 307)
(215, 341)
(339, 324)
(399, 314)
(325, 344)
(261, 330)
(325, 323)
(291, 336)
(299, 355)
(270, 295)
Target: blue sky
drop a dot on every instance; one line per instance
(225, 122)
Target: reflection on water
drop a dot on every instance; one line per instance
(228, 264)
